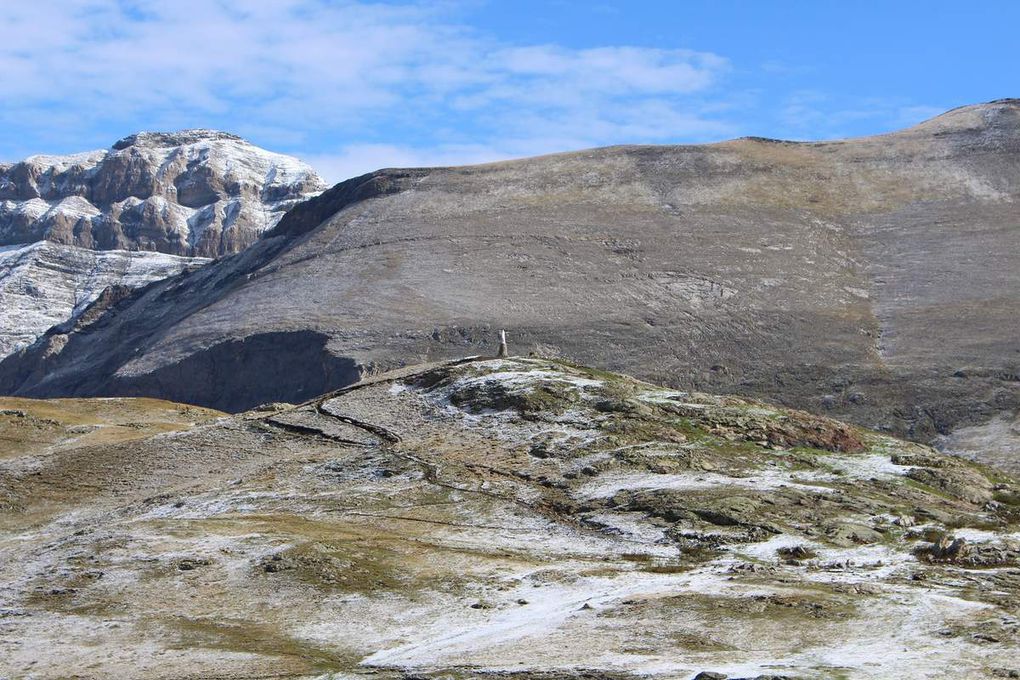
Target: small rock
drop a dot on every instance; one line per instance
(796, 552)
(56, 592)
(947, 549)
(276, 563)
(849, 534)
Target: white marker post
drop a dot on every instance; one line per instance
(503, 351)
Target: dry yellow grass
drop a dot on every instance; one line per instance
(33, 426)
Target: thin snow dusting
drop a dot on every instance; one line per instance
(84, 158)
(876, 465)
(523, 378)
(631, 525)
(767, 550)
(450, 551)
(607, 485)
(44, 284)
(983, 535)
(550, 607)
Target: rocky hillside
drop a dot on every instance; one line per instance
(194, 193)
(876, 279)
(517, 518)
(44, 284)
(153, 205)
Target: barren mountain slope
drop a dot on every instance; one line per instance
(515, 518)
(877, 279)
(44, 284)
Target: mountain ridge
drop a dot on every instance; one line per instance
(808, 273)
(190, 193)
(153, 205)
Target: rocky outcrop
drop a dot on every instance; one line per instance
(874, 279)
(193, 193)
(153, 205)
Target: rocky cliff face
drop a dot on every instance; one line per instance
(193, 193)
(877, 279)
(153, 205)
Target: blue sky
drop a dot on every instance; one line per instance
(353, 86)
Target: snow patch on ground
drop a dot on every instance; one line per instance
(457, 637)
(631, 525)
(768, 550)
(520, 377)
(983, 536)
(607, 485)
(865, 466)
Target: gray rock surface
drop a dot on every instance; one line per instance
(873, 279)
(44, 284)
(194, 193)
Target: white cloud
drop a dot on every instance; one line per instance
(615, 69)
(292, 69)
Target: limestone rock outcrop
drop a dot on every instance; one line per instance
(194, 193)
(152, 206)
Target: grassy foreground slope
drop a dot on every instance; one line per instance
(520, 518)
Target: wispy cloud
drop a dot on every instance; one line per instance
(300, 71)
(353, 85)
(818, 115)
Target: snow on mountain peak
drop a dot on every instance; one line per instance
(172, 139)
(162, 191)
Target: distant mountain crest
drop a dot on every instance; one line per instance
(193, 193)
(1001, 116)
(67, 223)
(180, 138)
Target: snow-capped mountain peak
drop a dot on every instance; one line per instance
(193, 193)
(153, 204)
